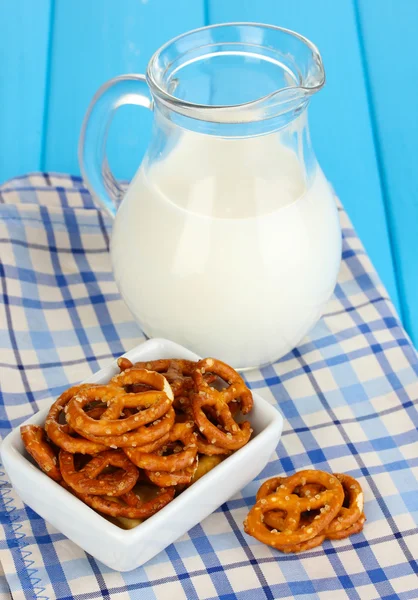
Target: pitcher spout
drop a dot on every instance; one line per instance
(283, 69)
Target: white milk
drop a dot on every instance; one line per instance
(220, 247)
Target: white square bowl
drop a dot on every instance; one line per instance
(125, 550)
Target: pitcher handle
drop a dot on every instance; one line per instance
(125, 89)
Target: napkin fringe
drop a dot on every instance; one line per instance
(13, 529)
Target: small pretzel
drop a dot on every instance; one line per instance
(208, 449)
(124, 363)
(177, 461)
(166, 479)
(284, 499)
(303, 546)
(60, 433)
(272, 519)
(183, 402)
(351, 530)
(153, 446)
(110, 423)
(125, 506)
(147, 434)
(275, 518)
(236, 390)
(91, 480)
(131, 510)
(231, 435)
(347, 516)
(176, 371)
(308, 490)
(34, 440)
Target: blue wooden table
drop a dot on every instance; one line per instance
(55, 54)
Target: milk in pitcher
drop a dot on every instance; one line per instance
(228, 247)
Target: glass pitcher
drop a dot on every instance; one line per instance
(227, 240)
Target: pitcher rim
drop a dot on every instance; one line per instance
(188, 107)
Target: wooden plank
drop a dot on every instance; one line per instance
(389, 34)
(340, 118)
(92, 42)
(23, 56)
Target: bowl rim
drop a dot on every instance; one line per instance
(10, 453)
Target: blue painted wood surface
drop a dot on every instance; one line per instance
(24, 51)
(55, 54)
(92, 42)
(389, 35)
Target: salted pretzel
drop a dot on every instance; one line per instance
(181, 458)
(124, 363)
(351, 530)
(177, 371)
(152, 446)
(209, 449)
(60, 434)
(90, 479)
(293, 531)
(144, 435)
(348, 521)
(154, 404)
(129, 505)
(35, 442)
(236, 389)
(231, 435)
(275, 518)
(350, 518)
(303, 546)
(168, 479)
(183, 402)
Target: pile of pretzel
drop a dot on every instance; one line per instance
(150, 423)
(299, 512)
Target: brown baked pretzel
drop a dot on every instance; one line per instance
(349, 520)
(209, 449)
(152, 446)
(183, 403)
(144, 435)
(167, 479)
(349, 515)
(303, 546)
(330, 535)
(90, 479)
(351, 530)
(294, 531)
(164, 479)
(230, 435)
(124, 363)
(236, 390)
(156, 404)
(129, 505)
(35, 442)
(177, 372)
(275, 518)
(59, 433)
(180, 459)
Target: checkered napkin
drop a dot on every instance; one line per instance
(348, 394)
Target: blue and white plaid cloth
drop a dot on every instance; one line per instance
(348, 393)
